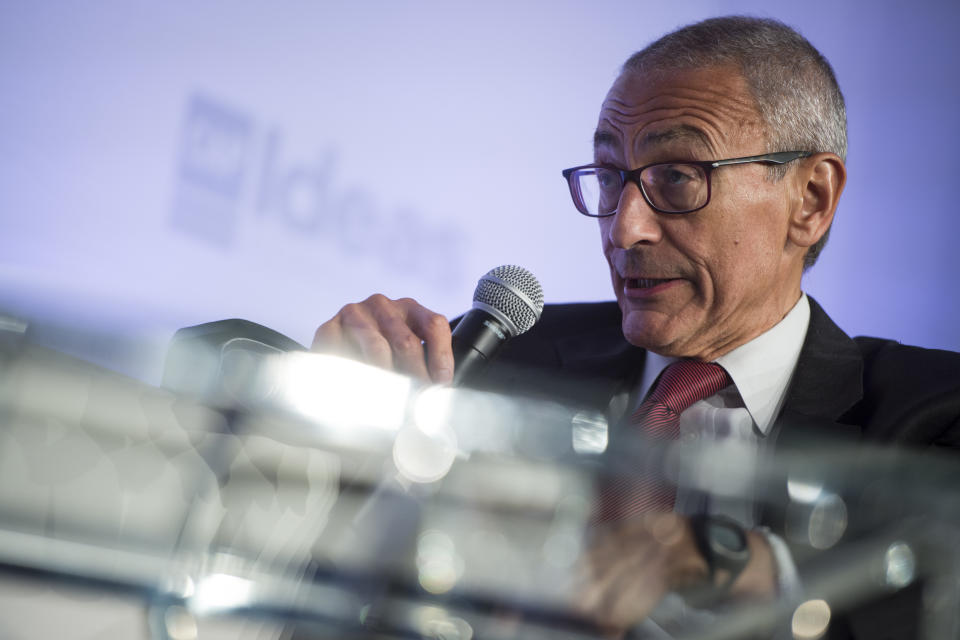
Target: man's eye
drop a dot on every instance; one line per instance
(678, 175)
(608, 179)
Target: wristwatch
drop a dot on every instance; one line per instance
(723, 544)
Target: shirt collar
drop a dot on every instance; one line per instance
(652, 368)
(761, 369)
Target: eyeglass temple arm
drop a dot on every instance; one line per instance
(780, 157)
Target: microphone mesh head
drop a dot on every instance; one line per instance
(514, 292)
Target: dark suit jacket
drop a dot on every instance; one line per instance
(867, 388)
(845, 390)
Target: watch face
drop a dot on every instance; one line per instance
(725, 536)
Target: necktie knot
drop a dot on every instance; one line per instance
(687, 381)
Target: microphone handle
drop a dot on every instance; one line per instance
(476, 339)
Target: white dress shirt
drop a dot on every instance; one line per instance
(726, 434)
(732, 424)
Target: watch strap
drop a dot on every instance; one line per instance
(722, 542)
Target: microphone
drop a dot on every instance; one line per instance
(508, 301)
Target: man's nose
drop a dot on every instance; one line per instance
(635, 222)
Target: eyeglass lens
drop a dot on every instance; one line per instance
(671, 187)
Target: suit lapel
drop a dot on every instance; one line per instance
(828, 380)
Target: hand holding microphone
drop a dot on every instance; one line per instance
(390, 334)
(405, 336)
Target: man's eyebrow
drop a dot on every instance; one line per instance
(679, 132)
(605, 139)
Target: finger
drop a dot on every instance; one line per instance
(406, 346)
(355, 340)
(362, 333)
(329, 338)
(391, 334)
(434, 330)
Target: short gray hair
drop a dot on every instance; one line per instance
(794, 86)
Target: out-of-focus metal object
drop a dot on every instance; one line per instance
(222, 361)
(271, 487)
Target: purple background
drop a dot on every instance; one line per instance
(171, 164)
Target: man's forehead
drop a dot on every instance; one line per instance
(605, 138)
(698, 108)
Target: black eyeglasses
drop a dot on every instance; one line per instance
(668, 187)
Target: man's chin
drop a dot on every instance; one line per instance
(642, 331)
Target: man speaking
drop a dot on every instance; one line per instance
(718, 165)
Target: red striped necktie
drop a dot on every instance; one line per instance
(680, 385)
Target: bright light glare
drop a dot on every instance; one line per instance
(439, 564)
(220, 591)
(810, 620)
(180, 585)
(828, 521)
(434, 622)
(801, 491)
(589, 433)
(432, 409)
(180, 624)
(425, 450)
(343, 392)
(422, 457)
(900, 565)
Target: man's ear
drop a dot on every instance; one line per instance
(820, 180)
